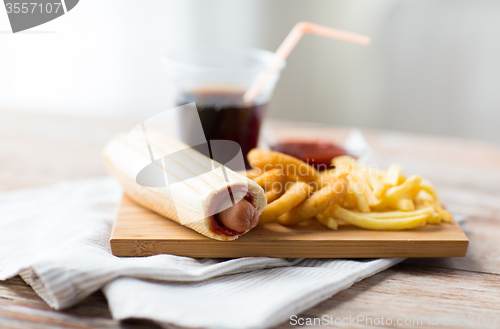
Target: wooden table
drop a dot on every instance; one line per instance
(39, 149)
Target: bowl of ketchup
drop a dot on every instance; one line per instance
(316, 153)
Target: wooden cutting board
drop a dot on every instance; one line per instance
(140, 232)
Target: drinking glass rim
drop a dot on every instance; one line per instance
(175, 59)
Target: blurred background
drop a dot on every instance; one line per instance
(433, 65)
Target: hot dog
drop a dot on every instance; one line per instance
(195, 202)
(240, 217)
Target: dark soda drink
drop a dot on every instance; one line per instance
(224, 115)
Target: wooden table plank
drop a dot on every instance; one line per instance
(416, 292)
(38, 149)
(484, 251)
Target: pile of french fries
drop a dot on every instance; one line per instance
(360, 195)
(384, 200)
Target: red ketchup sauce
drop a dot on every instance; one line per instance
(316, 153)
(215, 225)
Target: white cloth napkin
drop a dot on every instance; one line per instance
(57, 239)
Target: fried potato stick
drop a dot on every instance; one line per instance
(328, 221)
(359, 194)
(348, 200)
(398, 214)
(405, 205)
(344, 163)
(398, 192)
(369, 223)
(392, 176)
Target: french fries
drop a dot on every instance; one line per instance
(386, 196)
(399, 214)
(398, 192)
(405, 205)
(359, 194)
(356, 194)
(328, 221)
(392, 176)
(393, 224)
